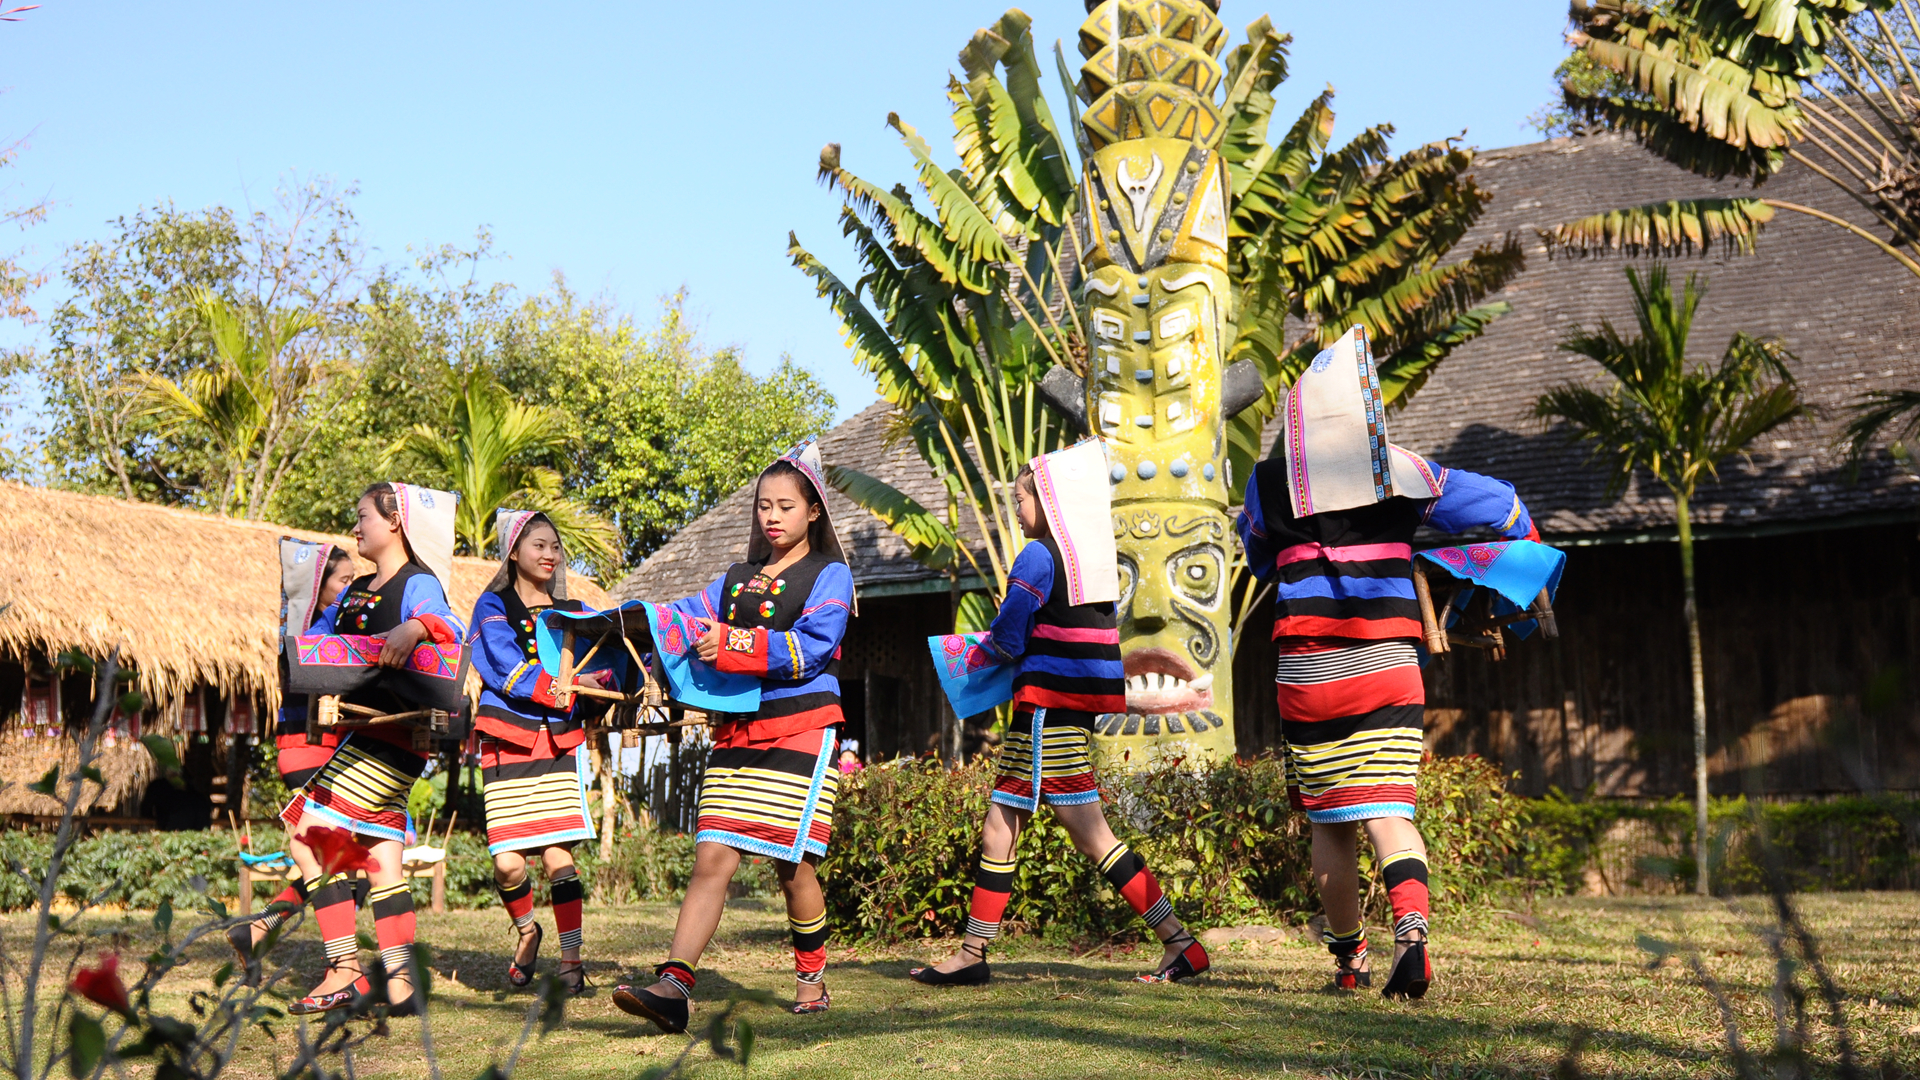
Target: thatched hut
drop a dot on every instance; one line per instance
(192, 603)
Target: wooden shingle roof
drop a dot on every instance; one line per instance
(1849, 313)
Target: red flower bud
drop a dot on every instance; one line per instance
(336, 849)
(102, 986)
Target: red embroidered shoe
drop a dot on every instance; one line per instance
(343, 998)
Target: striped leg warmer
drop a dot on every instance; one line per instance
(809, 947)
(1405, 875)
(568, 894)
(333, 911)
(518, 900)
(393, 926)
(1128, 874)
(295, 895)
(678, 974)
(1352, 944)
(992, 888)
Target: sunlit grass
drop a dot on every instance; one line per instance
(1511, 992)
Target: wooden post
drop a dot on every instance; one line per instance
(439, 901)
(1435, 633)
(246, 888)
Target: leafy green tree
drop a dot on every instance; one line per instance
(1677, 419)
(487, 450)
(1738, 87)
(246, 402)
(133, 313)
(663, 428)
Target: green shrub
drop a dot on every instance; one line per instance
(1223, 843)
(1856, 842)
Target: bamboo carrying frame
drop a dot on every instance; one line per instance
(663, 717)
(1478, 628)
(328, 712)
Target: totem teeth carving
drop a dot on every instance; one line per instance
(1204, 682)
(1154, 680)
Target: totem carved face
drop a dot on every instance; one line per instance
(1155, 193)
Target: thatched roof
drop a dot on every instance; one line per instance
(189, 598)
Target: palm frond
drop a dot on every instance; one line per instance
(933, 544)
(1878, 412)
(1666, 228)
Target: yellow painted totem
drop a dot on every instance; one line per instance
(1155, 194)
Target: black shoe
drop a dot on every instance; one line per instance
(519, 974)
(1413, 972)
(241, 938)
(974, 974)
(817, 1005)
(1193, 960)
(407, 1006)
(574, 978)
(669, 1014)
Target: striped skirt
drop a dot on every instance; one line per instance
(362, 788)
(535, 797)
(773, 799)
(1055, 766)
(1351, 714)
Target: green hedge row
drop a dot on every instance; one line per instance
(1223, 843)
(1857, 842)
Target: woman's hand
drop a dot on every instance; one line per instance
(598, 680)
(399, 643)
(708, 647)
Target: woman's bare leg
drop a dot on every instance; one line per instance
(805, 903)
(386, 872)
(1086, 824)
(510, 871)
(1392, 835)
(1336, 873)
(558, 862)
(999, 834)
(713, 869)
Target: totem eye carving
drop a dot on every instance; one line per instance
(1129, 577)
(1196, 573)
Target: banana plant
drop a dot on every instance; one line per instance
(962, 309)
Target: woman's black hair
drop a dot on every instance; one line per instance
(386, 502)
(338, 556)
(1025, 476)
(819, 531)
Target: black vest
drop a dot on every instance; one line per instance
(749, 598)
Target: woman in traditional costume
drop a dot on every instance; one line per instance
(407, 533)
(1331, 524)
(1069, 670)
(535, 780)
(770, 780)
(312, 577)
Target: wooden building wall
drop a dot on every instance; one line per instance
(891, 698)
(1812, 645)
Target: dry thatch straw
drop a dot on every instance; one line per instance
(190, 599)
(126, 767)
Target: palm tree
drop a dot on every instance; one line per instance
(247, 401)
(489, 453)
(1677, 419)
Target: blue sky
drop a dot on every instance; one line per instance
(638, 147)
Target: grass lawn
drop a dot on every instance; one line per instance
(1509, 996)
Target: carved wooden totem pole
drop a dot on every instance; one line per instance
(1157, 298)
